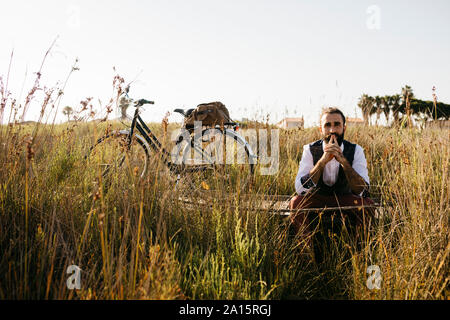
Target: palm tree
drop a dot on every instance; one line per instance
(67, 111)
(372, 108)
(407, 92)
(363, 104)
(396, 108)
(386, 103)
(378, 108)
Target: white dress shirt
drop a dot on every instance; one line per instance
(331, 169)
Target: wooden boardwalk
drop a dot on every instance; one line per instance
(273, 204)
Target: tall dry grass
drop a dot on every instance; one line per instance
(137, 241)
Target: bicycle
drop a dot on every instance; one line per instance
(127, 153)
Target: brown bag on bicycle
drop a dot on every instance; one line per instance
(210, 114)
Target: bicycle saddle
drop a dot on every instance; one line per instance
(184, 113)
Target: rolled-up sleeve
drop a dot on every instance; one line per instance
(360, 165)
(303, 182)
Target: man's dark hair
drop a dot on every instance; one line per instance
(330, 110)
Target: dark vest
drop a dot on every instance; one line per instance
(341, 186)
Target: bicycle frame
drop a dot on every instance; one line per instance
(139, 125)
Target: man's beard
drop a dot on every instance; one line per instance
(339, 138)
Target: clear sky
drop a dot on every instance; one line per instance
(275, 57)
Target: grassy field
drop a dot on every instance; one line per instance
(136, 241)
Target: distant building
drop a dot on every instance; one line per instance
(290, 123)
(354, 122)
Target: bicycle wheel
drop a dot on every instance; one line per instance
(230, 161)
(114, 162)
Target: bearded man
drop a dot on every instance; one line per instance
(332, 173)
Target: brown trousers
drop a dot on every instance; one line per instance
(302, 221)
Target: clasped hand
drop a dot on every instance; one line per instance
(332, 150)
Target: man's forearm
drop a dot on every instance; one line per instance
(355, 181)
(316, 172)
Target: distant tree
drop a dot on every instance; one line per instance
(396, 108)
(404, 106)
(442, 111)
(365, 103)
(372, 109)
(378, 108)
(407, 92)
(67, 111)
(386, 103)
(428, 110)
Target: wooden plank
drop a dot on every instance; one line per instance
(279, 207)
